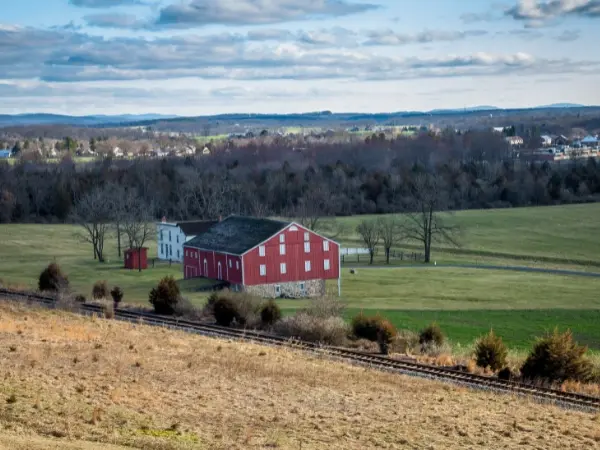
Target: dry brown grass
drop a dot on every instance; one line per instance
(85, 383)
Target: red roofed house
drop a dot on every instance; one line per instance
(265, 257)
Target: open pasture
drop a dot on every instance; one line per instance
(466, 302)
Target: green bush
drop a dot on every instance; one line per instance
(432, 335)
(270, 313)
(117, 295)
(100, 290)
(80, 298)
(557, 358)
(370, 327)
(225, 311)
(53, 279)
(165, 296)
(491, 352)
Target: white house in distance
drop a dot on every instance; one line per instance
(172, 235)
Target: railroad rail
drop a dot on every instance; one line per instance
(540, 393)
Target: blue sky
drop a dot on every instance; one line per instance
(193, 57)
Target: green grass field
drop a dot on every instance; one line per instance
(564, 235)
(466, 302)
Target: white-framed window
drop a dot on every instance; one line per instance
(177, 254)
(177, 237)
(293, 228)
(237, 265)
(326, 264)
(307, 266)
(277, 290)
(263, 270)
(282, 249)
(261, 250)
(230, 264)
(307, 247)
(283, 268)
(186, 253)
(306, 236)
(302, 287)
(161, 235)
(169, 235)
(282, 238)
(162, 249)
(325, 246)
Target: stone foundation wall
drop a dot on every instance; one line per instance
(312, 288)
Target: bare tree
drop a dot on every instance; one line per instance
(137, 224)
(369, 232)
(391, 234)
(424, 223)
(93, 212)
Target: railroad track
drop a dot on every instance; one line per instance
(540, 393)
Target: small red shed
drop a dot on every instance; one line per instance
(136, 258)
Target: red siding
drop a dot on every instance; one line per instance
(193, 265)
(294, 258)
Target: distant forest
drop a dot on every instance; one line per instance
(374, 176)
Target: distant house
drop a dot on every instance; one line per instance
(546, 140)
(172, 236)
(498, 130)
(589, 141)
(265, 257)
(5, 154)
(117, 152)
(514, 140)
(560, 140)
(206, 151)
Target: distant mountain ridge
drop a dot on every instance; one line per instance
(8, 120)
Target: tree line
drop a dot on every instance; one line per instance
(377, 175)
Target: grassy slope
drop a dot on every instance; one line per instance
(93, 382)
(564, 233)
(521, 305)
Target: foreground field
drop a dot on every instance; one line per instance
(466, 302)
(74, 382)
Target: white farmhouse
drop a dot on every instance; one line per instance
(172, 235)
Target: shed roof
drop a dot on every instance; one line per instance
(237, 234)
(195, 227)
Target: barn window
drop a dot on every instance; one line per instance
(282, 249)
(307, 247)
(293, 228)
(325, 246)
(277, 290)
(302, 287)
(230, 264)
(261, 250)
(307, 236)
(237, 265)
(186, 253)
(326, 264)
(263, 270)
(282, 238)
(283, 268)
(307, 266)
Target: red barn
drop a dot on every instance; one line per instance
(265, 257)
(136, 258)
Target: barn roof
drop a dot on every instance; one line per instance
(237, 234)
(195, 227)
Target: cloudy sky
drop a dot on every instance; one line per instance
(195, 57)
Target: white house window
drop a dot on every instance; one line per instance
(325, 246)
(307, 266)
(283, 268)
(261, 250)
(282, 238)
(282, 249)
(177, 237)
(169, 235)
(161, 236)
(307, 236)
(177, 254)
(162, 249)
(237, 265)
(307, 247)
(263, 270)
(326, 264)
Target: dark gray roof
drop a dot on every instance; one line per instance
(236, 234)
(195, 227)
